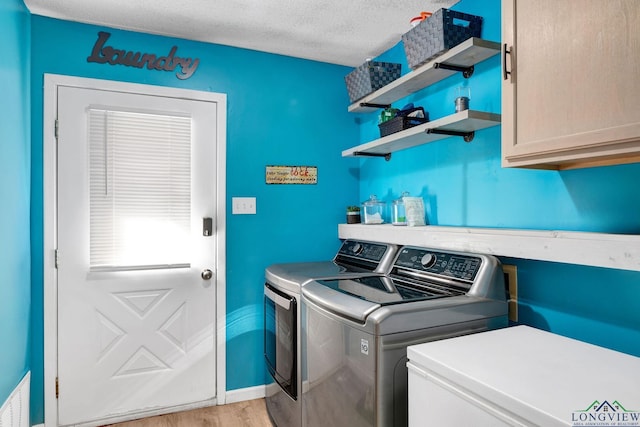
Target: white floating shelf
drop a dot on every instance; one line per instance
(617, 251)
(466, 54)
(464, 121)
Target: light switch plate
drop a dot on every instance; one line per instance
(243, 205)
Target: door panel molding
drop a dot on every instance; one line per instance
(51, 84)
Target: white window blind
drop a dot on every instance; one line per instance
(140, 189)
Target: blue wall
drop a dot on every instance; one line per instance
(597, 305)
(15, 294)
(281, 111)
(288, 111)
(463, 184)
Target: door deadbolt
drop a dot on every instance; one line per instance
(207, 227)
(206, 274)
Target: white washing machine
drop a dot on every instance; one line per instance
(282, 333)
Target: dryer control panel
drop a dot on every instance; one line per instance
(358, 255)
(366, 250)
(458, 266)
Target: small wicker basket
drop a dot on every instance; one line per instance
(402, 122)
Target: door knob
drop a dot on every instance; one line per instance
(206, 274)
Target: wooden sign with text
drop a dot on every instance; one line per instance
(292, 175)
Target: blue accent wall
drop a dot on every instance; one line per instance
(597, 305)
(463, 184)
(286, 111)
(15, 291)
(281, 111)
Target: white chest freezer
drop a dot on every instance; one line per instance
(521, 376)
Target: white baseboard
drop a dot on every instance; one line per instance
(242, 394)
(15, 410)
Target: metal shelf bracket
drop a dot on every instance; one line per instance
(372, 105)
(387, 156)
(466, 71)
(467, 136)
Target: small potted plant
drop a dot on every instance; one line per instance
(353, 214)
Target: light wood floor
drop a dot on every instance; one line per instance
(250, 413)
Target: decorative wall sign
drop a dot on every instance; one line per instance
(184, 67)
(292, 175)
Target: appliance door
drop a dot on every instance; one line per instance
(339, 370)
(280, 338)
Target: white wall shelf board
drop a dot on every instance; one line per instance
(594, 249)
(464, 121)
(467, 53)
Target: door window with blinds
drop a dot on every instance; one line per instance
(140, 190)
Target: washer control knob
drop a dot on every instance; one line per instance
(428, 260)
(357, 248)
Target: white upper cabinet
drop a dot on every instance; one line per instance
(571, 88)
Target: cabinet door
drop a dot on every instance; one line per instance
(573, 96)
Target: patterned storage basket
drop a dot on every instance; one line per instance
(439, 33)
(370, 77)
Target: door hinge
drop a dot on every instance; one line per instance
(57, 388)
(56, 129)
(56, 258)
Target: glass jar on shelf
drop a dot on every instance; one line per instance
(374, 210)
(398, 213)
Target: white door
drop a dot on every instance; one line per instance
(136, 313)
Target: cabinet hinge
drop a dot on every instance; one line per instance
(56, 129)
(57, 388)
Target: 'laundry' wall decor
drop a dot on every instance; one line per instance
(184, 67)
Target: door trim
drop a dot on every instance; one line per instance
(50, 283)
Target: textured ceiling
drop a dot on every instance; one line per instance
(336, 31)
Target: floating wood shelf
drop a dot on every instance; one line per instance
(618, 251)
(465, 55)
(464, 122)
